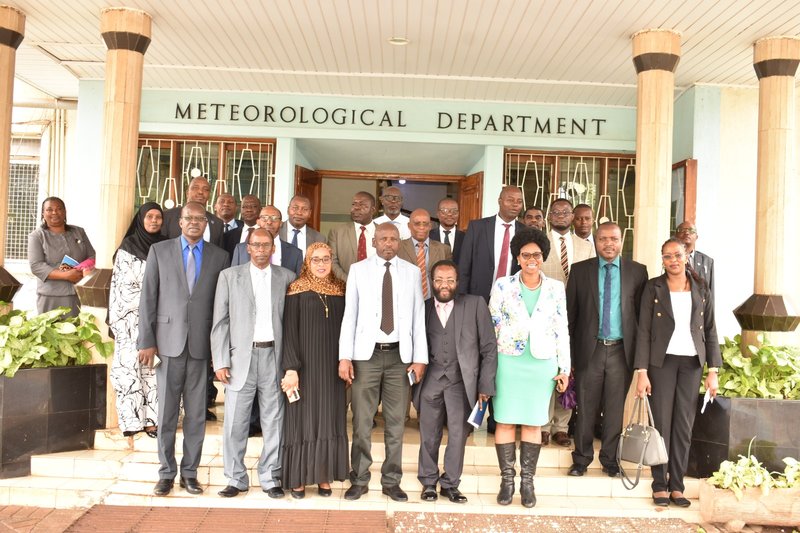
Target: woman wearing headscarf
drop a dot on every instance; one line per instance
(134, 383)
(315, 449)
(58, 254)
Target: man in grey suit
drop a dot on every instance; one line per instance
(246, 337)
(603, 298)
(296, 230)
(381, 342)
(175, 323)
(284, 254)
(462, 363)
(352, 241)
(702, 264)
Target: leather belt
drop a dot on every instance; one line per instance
(609, 342)
(268, 344)
(386, 346)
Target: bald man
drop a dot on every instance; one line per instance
(420, 250)
(392, 201)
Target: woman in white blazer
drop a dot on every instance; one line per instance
(529, 312)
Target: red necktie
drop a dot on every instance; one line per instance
(362, 245)
(502, 265)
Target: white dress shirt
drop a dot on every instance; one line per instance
(451, 237)
(401, 222)
(276, 254)
(499, 233)
(232, 224)
(301, 237)
(245, 232)
(556, 237)
(369, 234)
(262, 291)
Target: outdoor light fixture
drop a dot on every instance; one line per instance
(398, 41)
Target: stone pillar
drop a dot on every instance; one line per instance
(12, 31)
(775, 60)
(655, 56)
(127, 35)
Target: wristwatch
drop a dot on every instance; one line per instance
(714, 369)
(639, 370)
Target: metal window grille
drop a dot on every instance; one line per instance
(23, 209)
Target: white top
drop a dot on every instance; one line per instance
(301, 237)
(556, 238)
(401, 222)
(276, 255)
(499, 233)
(451, 237)
(393, 336)
(232, 224)
(245, 233)
(262, 291)
(369, 234)
(681, 342)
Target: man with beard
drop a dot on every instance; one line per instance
(462, 364)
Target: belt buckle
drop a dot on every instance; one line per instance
(383, 346)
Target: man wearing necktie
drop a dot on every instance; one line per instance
(382, 340)
(175, 311)
(285, 254)
(420, 250)
(352, 241)
(603, 299)
(448, 232)
(295, 230)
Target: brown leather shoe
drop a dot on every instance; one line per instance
(545, 438)
(562, 439)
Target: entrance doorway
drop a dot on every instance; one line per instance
(331, 192)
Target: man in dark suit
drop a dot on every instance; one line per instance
(251, 207)
(700, 262)
(462, 363)
(199, 191)
(534, 218)
(175, 311)
(296, 230)
(285, 254)
(225, 210)
(486, 254)
(447, 232)
(420, 225)
(603, 299)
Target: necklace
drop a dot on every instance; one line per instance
(324, 299)
(531, 288)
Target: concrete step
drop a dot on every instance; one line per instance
(135, 466)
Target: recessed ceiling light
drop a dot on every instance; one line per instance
(398, 41)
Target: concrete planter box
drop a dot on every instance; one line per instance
(724, 431)
(781, 507)
(48, 410)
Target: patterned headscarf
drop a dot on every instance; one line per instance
(330, 285)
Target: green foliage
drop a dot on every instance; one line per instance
(747, 473)
(47, 340)
(768, 372)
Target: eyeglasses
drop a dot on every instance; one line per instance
(194, 219)
(452, 211)
(669, 257)
(260, 245)
(392, 198)
(682, 231)
(270, 218)
(321, 260)
(444, 281)
(561, 213)
(528, 256)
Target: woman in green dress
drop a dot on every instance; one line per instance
(529, 312)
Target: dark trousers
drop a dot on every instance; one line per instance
(602, 385)
(674, 404)
(442, 400)
(182, 377)
(382, 378)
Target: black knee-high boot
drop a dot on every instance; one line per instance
(528, 458)
(506, 457)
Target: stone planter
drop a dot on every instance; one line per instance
(724, 431)
(781, 507)
(47, 410)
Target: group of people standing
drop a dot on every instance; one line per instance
(393, 309)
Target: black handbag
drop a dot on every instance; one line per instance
(640, 443)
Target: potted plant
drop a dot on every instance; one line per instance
(745, 492)
(758, 394)
(51, 398)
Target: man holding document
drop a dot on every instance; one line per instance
(462, 363)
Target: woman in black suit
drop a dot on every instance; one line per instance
(676, 338)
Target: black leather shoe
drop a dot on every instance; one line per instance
(395, 493)
(163, 487)
(429, 493)
(210, 416)
(355, 492)
(275, 492)
(680, 501)
(611, 471)
(325, 493)
(576, 470)
(298, 494)
(191, 485)
(453, 494)
(230, 491)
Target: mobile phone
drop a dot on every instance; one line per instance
(293, 395)
(412, 377)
